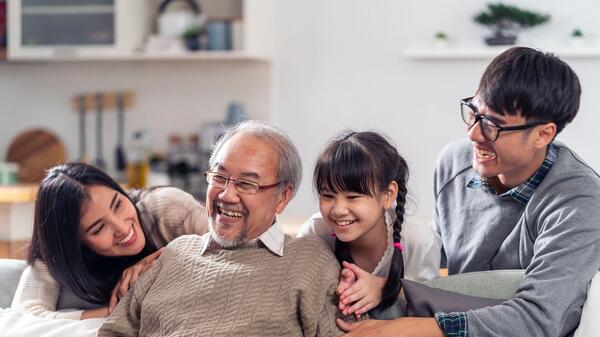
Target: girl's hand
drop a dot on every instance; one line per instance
(129, 276)
(95, 313)
(347, 279)
(364, 294)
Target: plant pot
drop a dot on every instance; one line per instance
(192, 43)
(499, 40)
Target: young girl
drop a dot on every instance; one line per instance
(361, 181)
(91, 239)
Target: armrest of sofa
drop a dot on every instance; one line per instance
(10, 274)
(501, 284)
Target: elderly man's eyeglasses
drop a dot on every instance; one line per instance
(241, 185)
(489, 128)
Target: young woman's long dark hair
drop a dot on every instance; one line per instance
(366, 163)
(55, 239)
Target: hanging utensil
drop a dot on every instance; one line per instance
(83, 156)
(120, 158)
(99, 161)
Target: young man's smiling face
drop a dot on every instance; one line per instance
(515, 155)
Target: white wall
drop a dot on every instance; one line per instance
(340, 64)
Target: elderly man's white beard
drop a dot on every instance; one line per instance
(227, 243)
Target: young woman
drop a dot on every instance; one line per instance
(91, 239)
(361, 182)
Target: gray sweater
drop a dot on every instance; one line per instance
(555, 238)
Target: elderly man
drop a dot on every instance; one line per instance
(244, 277)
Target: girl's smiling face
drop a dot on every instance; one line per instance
(355, 216)
(109, 223)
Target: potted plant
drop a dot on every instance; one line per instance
(441, 39)
(577, 37)
(191, 36)
(506, 20)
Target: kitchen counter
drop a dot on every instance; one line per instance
(22, 193)
(16, 218)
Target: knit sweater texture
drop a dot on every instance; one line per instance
(166, 213)
(555, 237)
(241, 291)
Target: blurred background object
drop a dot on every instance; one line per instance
(9, 173)
(138, 160)
(174, 20)
(35, 151)
(2, 24)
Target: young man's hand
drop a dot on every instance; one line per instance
(400, 327)
(95, 313)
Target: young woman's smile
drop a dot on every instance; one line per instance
(109, 223)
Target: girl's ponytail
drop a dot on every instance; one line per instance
(393, 284)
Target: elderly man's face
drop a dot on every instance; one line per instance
(235, 217)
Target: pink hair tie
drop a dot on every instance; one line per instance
(332, 234)
(399, 246)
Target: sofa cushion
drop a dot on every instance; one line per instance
(501, 284)
(10, 274)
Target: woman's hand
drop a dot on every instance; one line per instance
(95, 313)
(364, 294)
(129, 276)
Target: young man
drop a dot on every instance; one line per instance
(244, 277)
(512, 197)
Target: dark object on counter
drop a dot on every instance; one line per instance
(99, 160)
(35, 151)
(3, 24)
(120, 158)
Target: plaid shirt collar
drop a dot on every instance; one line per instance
(523, 192)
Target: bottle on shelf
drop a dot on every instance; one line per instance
(138, 164)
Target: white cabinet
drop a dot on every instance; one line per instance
(46, 29)
(117, 29)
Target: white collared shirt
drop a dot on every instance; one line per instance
(273, 238)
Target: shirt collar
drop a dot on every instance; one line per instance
(525, 190)
(273, 238)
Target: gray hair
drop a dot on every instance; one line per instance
(290, 166)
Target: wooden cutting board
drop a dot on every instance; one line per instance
(35, 151)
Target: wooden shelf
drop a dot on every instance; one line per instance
(2, 54)
(181, 56)
(482, 52)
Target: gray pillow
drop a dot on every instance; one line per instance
(10, 274)
(425, 301)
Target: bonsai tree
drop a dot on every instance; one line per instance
(506, 20)
(577, 33)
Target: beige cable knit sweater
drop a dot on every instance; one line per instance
(243, 291)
